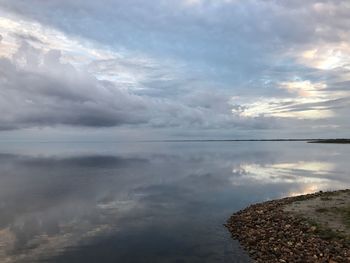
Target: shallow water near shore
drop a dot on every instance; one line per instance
(148, 201)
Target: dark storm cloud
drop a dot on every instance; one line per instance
(42, 106)
(56, 93)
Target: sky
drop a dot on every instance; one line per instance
(166, 69)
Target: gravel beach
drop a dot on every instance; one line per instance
(307, 228)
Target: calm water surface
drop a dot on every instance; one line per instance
(147, 202)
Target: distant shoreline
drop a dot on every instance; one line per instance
(259, 140)
(329, 141)
(307, 228)
(238, 140)
(340, 141)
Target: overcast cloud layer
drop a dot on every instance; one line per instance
(219, 68)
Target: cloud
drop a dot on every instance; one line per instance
(38, 89)
(51, 92)
(165, 64)
(50, 80)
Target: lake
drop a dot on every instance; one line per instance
(147, 201)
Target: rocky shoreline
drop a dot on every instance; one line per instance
(270, 234)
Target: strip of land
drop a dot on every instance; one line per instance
(307, 228)
(340, 141)
(258, 140)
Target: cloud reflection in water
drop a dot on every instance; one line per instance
(166, 204)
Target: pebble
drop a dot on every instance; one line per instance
(271, 235)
